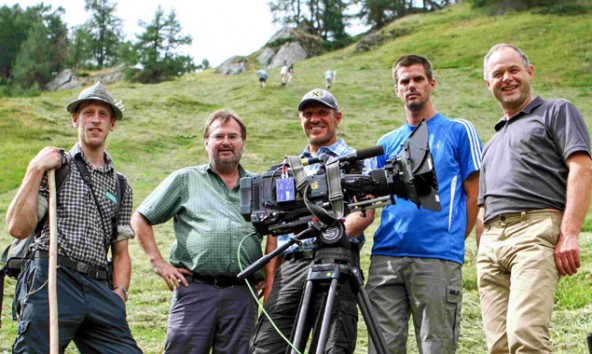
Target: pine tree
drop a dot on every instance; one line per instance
(33, 64)
(157, 49)
(106, 31)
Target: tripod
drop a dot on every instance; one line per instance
(330, 265)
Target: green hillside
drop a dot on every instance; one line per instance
(163, 125)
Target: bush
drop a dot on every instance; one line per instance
(9, 90)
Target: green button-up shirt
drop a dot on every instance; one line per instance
(207, 221)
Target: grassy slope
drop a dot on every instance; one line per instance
(164, 122)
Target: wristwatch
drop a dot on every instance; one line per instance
(122, 290)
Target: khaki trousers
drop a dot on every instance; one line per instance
(517, 279)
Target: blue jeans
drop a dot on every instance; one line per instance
(90, 314)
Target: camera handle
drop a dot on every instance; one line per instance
(311, 231)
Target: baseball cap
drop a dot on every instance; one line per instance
(97, 92)
(321, 96)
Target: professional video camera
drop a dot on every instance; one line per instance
(284, 200)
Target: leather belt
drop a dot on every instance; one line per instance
(217, 281)
(85, 269)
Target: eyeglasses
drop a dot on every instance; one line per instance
(231, 137)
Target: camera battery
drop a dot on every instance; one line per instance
(285, 189)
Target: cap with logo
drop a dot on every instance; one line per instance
(321, 96)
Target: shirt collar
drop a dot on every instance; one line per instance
(338, 148)
(76, 149)
(241, 171)
(526, 110)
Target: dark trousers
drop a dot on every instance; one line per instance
(90, 314)
(204, 317)
(283, 304)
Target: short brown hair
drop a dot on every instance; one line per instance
(225, 115)
(409, 60)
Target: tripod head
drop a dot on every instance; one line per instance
(329, 237)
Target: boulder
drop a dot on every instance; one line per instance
(369, 42)
(289, 53)
(233, 66)
(287, 46)
(280, 36)
(68, 79)
(374, 40)
(264, 58)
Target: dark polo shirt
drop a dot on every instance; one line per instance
(524, 163)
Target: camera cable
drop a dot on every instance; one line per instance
(259, 303)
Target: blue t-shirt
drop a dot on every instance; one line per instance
(405, 230)
(262, 74)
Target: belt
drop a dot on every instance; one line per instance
(519, 215)
(300, 255)
(217, 281)
(85, 269)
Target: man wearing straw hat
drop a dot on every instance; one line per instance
(90, 220)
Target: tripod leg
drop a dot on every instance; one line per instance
(367, 313)
(302, 314)
(327, 315)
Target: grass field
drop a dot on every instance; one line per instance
(163, 126)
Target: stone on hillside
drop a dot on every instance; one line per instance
(67, 79)
(287, 46)
(374, 40)
(369, 42)
(233, 66)
(281, 35)
(264, 58)
(289, 53)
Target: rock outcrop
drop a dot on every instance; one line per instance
(285, 47)
(68, 79)
(374, 40)
(233, 66)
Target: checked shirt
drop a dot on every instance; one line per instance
(80, 233)
(209, 228)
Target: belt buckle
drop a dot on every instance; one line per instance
(81, 267)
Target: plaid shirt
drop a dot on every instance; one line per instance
(208, 224)
(338, 149)
(80, 233)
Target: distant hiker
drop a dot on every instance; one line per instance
(330, 78)
(211, 309)
(284, 75)
(90, 220)
(290, 74)
(262, 77)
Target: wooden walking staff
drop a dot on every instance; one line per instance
(54, 341)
